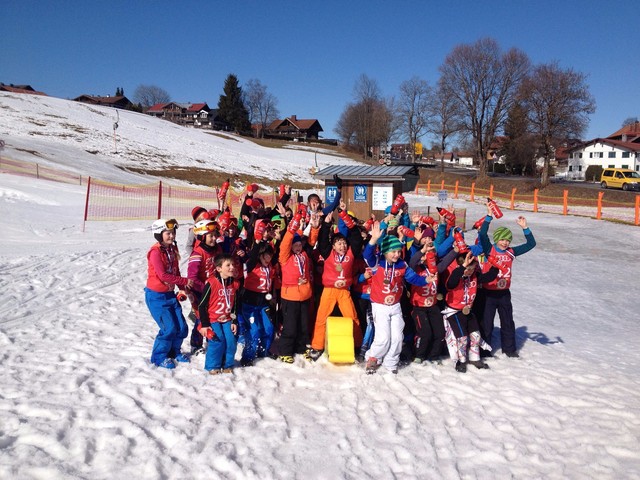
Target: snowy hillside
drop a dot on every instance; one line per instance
(80, 400)
(78, 136)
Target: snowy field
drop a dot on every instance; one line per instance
(79, 399)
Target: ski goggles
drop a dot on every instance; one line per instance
(171, 224)
(211, 227)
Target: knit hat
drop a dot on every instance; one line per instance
(502, 233)
(428, 232)
(296, 238)
(390, 244)
(197, 211)
(393, 223)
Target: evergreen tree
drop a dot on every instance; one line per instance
(519, 149)
(231, 105)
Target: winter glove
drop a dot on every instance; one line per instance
(338, 181)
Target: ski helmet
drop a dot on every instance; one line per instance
(203, 227)
(161, 225)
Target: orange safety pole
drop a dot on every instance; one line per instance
(599, 212)
(637, 209)
(455, 191)
(565, 202)
(429, 187)
(535, 200)
(513, 197)
(442, 185)
(491, 191)
(473, 186)
(160, 199)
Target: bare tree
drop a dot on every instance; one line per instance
(413, 109)
(629, 121)
(261, 104)
(148, 95)
(483, 82)
(366, 122)
(558, 104)
(444, 118)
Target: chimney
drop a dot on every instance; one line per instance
(293, 118)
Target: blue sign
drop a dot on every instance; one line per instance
(330, 195)
(360, 193)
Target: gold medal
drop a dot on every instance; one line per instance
(466, 310)
(386, 281)
(338, 267)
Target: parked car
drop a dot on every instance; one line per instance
(620, 178)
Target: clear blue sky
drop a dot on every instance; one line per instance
(308, 54)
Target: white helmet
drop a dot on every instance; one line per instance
(161, 225)
(205, 226)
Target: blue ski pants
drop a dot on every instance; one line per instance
(167, 312)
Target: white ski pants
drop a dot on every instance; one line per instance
(387, 340)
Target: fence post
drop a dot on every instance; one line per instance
(513, 197)
(37, 171)
(429, 187)
(637, 209)
(455, 191)
(535, 199)
(86, 203)
(160, 199)
(473, 186)
(442, 185)
(599, 212)
(565, 202)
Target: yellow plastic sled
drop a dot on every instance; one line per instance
(340, 340)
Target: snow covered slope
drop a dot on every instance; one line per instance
(59, 132)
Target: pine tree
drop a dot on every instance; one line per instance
(231, 105)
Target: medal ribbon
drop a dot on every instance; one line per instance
(226, 295)
(267, 272)
(300, 259)
(393, 271)
(465, 297)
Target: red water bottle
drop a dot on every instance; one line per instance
(259, 229)
(478, 224)
(406, 231)
(210, 334)
(222, 193)
(294, 224)
(431, 262)
(346, 218)
(494, 261)
(458, 240)
(446, 214)
(254, 187)
(427, 220)
(397, 204)
(495, 209)
(224, 220)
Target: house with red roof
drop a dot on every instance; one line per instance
(20, 89)
(621, 149)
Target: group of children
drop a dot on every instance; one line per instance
(411, 285)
